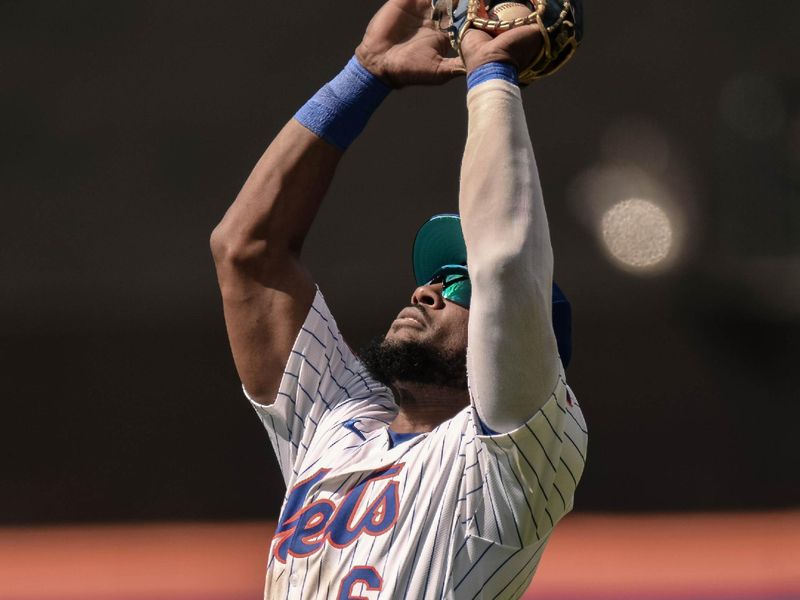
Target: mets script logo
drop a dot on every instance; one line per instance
(303, 531)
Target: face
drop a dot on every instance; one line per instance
(431, 320)
(426, 343)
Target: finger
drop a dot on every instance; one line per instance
(423, 8)
(472, 38)
(522, 32)
(522, 43)
(452, 67)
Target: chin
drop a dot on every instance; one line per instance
(404, 333)
(396, 357)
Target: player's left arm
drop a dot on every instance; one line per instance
(513, 357)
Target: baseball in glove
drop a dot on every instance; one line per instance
(560, 21)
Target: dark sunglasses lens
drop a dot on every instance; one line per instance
(458, 289)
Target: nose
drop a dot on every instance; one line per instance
(429, 295)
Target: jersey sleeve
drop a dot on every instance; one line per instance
(524, 481)
(321, 373)
(513, 358)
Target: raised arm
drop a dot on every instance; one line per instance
(513, 358)
(266, 289)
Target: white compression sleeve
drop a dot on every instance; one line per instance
(512, 359)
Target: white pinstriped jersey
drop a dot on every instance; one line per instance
(447, 514)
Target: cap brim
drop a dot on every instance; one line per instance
(439, 242)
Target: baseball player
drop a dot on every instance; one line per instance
(436, 464)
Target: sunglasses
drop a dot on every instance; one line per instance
(456, 286)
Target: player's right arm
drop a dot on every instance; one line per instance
(513, 358)
(533, 457)
(266, 290)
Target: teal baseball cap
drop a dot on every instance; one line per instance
(440, 242)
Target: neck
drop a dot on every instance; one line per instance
(424, 406)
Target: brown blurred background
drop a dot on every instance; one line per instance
(127, 129)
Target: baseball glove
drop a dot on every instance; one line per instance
(560, 21)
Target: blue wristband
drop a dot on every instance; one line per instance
(339, 111)
(492, 70)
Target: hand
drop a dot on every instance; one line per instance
(402, 47)
(518, 46)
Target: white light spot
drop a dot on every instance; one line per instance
(637, 233)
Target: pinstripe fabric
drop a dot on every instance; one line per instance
(457, 515)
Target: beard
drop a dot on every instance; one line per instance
(414, 362)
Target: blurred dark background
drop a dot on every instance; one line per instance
(127, 129)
